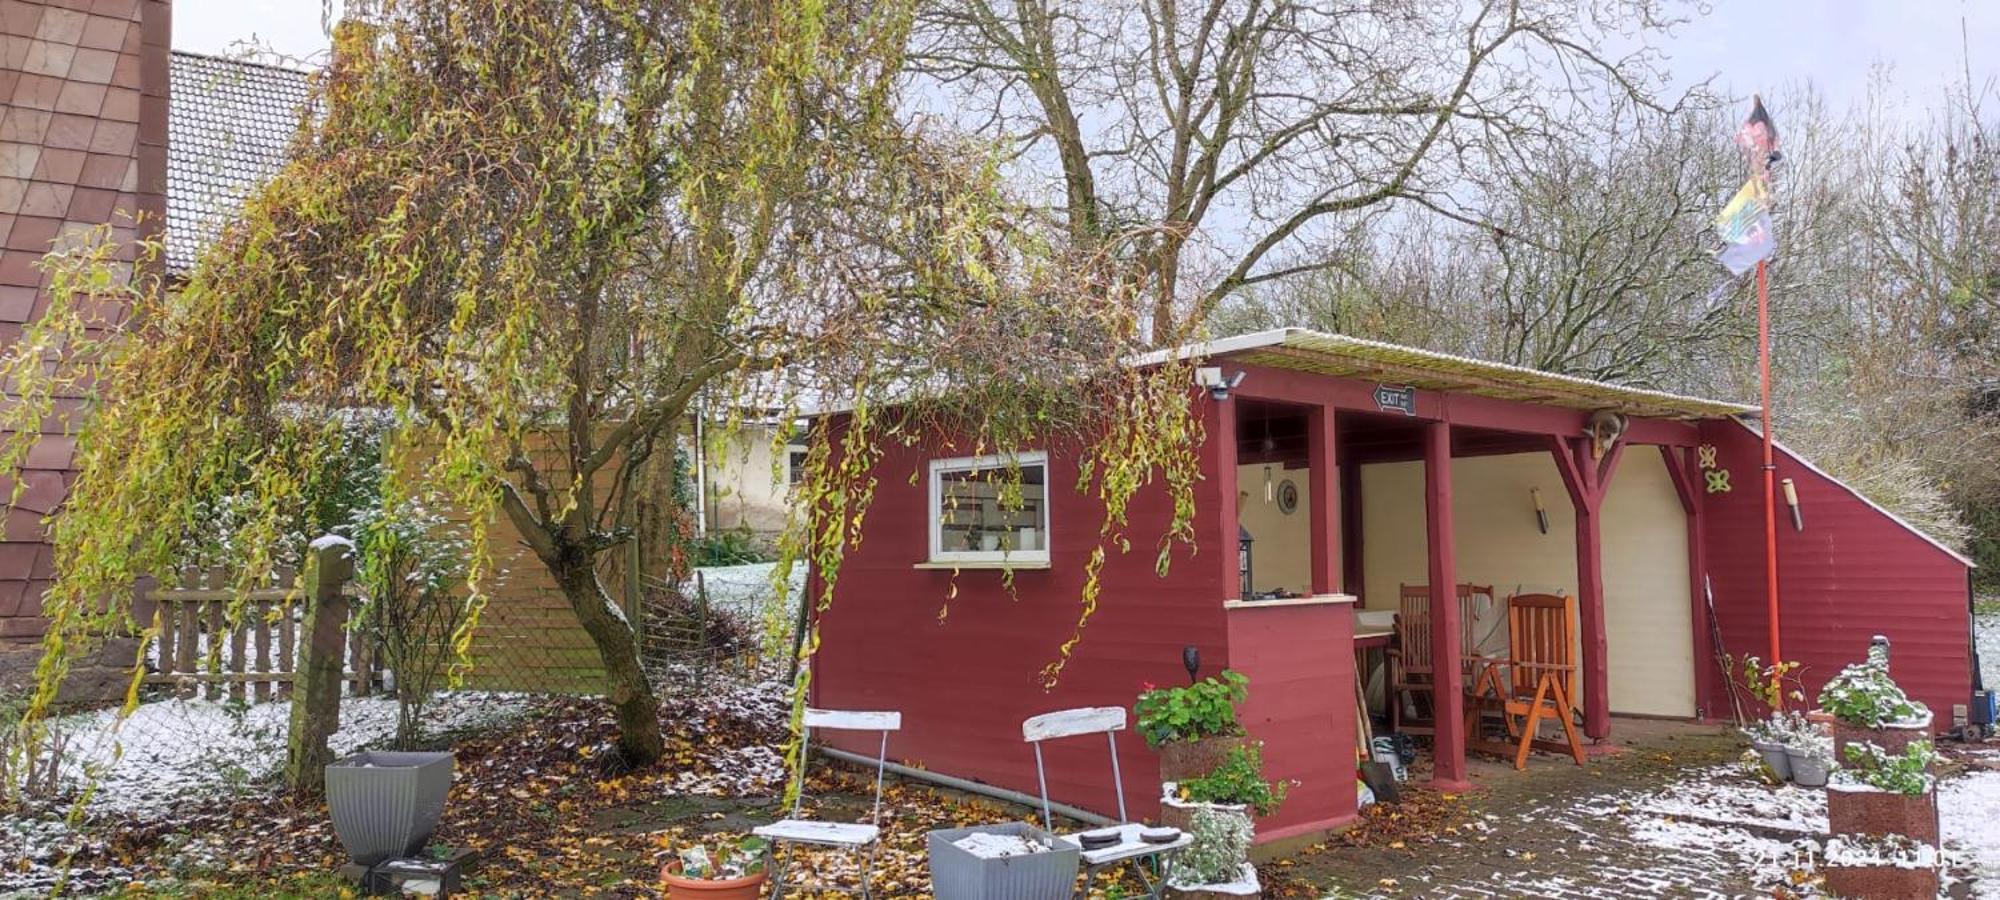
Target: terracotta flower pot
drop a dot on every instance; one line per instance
(1883, 882)
(1852, 810)
(749, 887)
(1182, 760)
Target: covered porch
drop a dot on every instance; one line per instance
(1360, 477)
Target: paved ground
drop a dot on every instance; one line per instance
(1559, 830)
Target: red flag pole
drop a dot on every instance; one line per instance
(1770, 475)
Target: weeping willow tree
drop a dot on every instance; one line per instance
(537, 234)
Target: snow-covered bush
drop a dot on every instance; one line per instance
(1221, 843)
(1863, 694)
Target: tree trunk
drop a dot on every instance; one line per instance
(625, 685)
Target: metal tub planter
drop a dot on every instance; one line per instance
(385, 804)
(1008, 861)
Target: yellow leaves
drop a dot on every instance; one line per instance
(1396, 845)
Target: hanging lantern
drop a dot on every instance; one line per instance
(1243, 558)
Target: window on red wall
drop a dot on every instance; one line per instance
(980, 512)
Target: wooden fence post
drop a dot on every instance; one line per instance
(317, 684)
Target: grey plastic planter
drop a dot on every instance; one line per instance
(1774, 758)
(959, 875)
(1806, 770)
(385, 804)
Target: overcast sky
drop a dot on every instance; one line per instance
(1749, 45)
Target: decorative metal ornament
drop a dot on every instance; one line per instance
(1288, 497)
(1718, 481)
(1705, 456)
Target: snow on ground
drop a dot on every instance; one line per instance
(1986, 631)
(747, 588)
(172, 751)
(1969, 808)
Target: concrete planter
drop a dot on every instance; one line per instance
(1182, 760)
(1881, 882)
(959, 874)
(385, 804)
(1892, 738)
(1867, 811)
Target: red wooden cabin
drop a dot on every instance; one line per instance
(1356, 466)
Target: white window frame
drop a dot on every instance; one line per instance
(794, 476)
(995, 558)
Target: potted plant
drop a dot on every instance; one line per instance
(1215, 808)
(1193, 727)
(1767, 739)
(735, 871)
(1866, 705)
(1877, 792)
(1891, 866)
(385, 804)
(1809, 754)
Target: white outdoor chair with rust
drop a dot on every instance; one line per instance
(1108, 721)
(856, 837)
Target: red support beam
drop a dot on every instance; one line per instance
(1223, 527)
(1351, 572)
(1586, 480)
(1682, 470)
(1448, 748)
(1325, 500)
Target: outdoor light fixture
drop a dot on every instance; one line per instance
(1243, 558)
(1792, 500)
(1268, 495)
(1541, 514)
(1191, 661)
(1210, 377)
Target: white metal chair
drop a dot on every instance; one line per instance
(851, 836)
(1107, 720)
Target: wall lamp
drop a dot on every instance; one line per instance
(1541, 513)
(1211, 377)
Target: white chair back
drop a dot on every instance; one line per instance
(1105, 720)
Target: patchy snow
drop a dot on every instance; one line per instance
(997, 846)
(1986, 633)
(173, 751)
(1969, 810)
(748, 588)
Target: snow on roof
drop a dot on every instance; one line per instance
(1334, 354)
(230, 124)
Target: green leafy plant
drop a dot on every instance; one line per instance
(1221, 845)
(729, 859)
(1863, 694)
(730, 547)
(1238, 780)
(1904, 773)
(1768, 683)
(1204, 709)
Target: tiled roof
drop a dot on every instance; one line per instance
(229, 123)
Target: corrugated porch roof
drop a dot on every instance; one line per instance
(1350, 357)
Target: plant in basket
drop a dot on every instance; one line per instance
(727, 871)
(1194, 726)
(1863, 695)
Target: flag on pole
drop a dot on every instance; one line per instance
(1758, 136)
(1745, 228)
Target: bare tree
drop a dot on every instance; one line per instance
(1209, 142)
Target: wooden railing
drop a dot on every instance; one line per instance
(199, 650)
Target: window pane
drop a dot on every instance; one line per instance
(981, 511)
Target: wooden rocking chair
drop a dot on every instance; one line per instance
(1534, 683)
(1411, 673)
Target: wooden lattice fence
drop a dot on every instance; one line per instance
(199, 651)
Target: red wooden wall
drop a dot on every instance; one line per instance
(1300, 662)
(1853, 572)
(964, 671)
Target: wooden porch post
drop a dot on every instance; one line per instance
(1352, 575)
(1681, 470)
(1448, 746)
(1225, 525)
(1325, 501)
(1586, 480)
